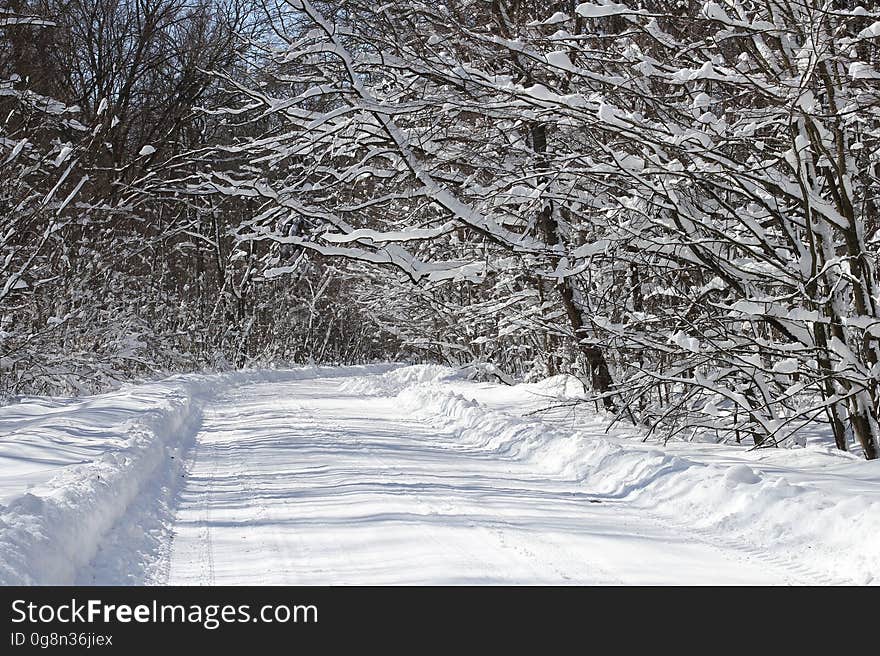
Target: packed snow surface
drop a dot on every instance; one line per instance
(407, 475)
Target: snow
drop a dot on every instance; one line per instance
(873, 30)
(701, 100)
(786, 366)
(557, 17)
(610, 114)
(71, 469)
(686, 342)
(588, 250)
(598, 10)
(862, 71)
(559, 59)
(63, 154)
(16, 150)
(384, 237)
(407, 475)
(714, 11)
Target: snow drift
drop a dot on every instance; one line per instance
(786, 517)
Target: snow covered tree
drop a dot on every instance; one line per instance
(684, 192)
(675, 201)
(755, 175)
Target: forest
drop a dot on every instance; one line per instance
(674, 201)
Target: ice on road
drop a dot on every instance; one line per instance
(304, 482)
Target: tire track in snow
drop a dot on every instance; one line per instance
(499, 533)
(796, 573)
(201, 550)
(388, 470)
(339, 488)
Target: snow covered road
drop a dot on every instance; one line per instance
(304, 483)
(383, 475)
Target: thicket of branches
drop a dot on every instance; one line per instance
(105, 271)
(676, 201)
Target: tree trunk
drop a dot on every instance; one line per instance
(600, 375)
(863, 423)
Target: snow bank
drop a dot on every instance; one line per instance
(46, 537)
(139, 435)
(563, 387)
(763, 515)
(394, 381)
